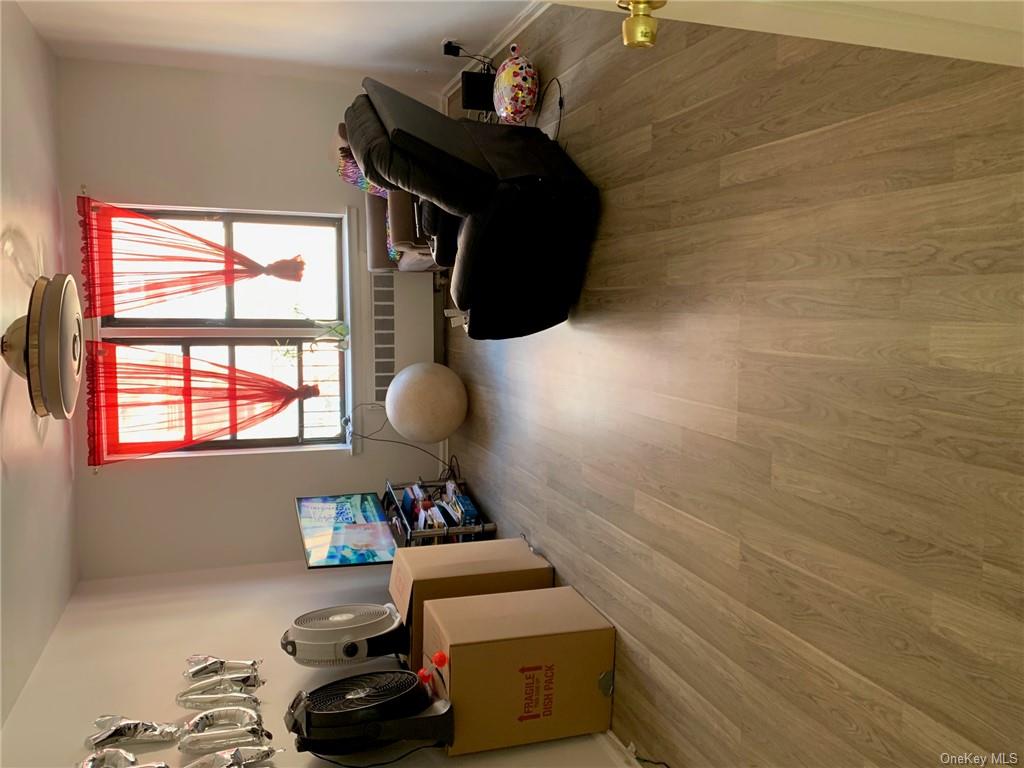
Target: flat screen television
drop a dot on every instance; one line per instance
(344, 530)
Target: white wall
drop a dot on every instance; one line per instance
(38, 564)
(160, 135)
(136, 632)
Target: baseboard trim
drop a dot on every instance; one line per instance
(620, 750)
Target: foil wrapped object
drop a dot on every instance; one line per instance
(216, 699)
(240, 757)
(223, 738)
(223, 727)
(115, 729)
(109, 758)
(198, 666)
(222, 717)
(230, 681)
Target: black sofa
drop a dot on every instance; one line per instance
(522, 213)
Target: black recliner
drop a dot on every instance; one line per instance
(526, 215)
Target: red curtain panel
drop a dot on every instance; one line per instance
(142, 401)
(130, 260)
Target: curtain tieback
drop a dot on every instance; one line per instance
(286, 269)
(307, 391)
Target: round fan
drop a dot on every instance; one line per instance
(364, 711)
(344, 634)
(371, 696)
(46, 346)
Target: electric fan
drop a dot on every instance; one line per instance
(367, 711)
(46, 346)
(345, 634)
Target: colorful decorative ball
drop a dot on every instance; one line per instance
(440, 659)
(515, 88)
(424, 676)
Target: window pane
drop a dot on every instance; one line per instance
(278, 362)
(206, 305)
(212, 415)
(151, 418)
(321, 416)
(265, 297)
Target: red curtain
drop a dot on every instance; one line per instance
(142, 402)
(155, 260)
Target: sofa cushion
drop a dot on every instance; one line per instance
(414, 126)
(453, 184)
(368, 140)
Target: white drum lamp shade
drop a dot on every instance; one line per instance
(426, 402)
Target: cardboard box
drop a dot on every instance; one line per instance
(419, 574)
(522, 666)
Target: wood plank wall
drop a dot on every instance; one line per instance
(781, 441)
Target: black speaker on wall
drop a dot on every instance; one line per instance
(478, 91)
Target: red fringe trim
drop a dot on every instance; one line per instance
(94, 410)
(89, 276)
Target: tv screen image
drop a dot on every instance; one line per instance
(348, 529)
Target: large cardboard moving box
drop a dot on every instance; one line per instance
(522, 666)
(419, 574)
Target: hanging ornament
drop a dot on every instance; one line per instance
(515, 88)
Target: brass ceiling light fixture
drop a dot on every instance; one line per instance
(640, 30)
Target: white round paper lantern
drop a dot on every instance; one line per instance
(426, 402)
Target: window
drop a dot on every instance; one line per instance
(272, 327)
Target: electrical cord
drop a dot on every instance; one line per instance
(448, 474)
(487, 62)
(648, 761)
(371, 438)
(561, 106)
(376, 765)
(452, 472)
(375, 406)
(348, 421)
(378, 430)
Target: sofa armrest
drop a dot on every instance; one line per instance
(472, 265)
(376, 235)
(402, 220)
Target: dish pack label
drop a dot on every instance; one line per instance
(538, 692)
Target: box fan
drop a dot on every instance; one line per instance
(344, 634)
(368, 711)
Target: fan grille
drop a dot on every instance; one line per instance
(343, 616)
(361, 691)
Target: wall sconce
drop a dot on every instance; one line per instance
(640, 30)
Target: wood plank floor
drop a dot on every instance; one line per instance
(780, 443)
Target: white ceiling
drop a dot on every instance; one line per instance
(370, 37)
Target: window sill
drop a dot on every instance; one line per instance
(315, 447)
